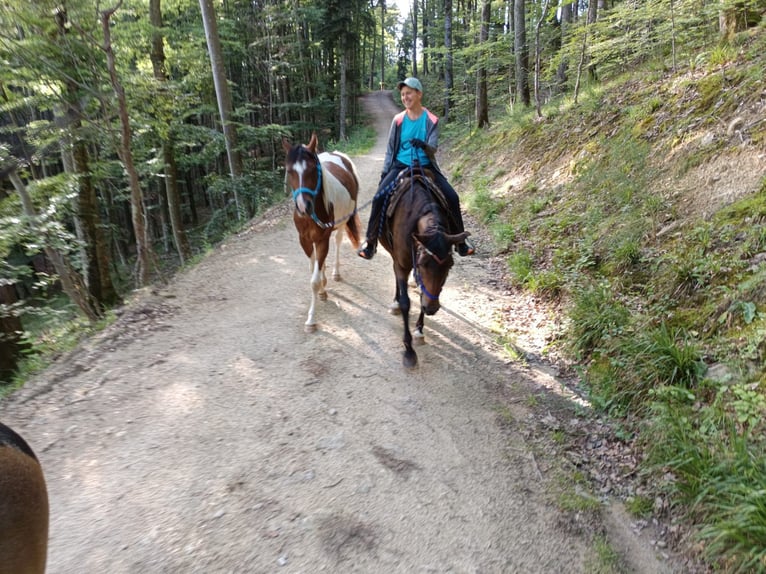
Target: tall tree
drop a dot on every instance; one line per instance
(414, 17)
(538, 55)
(482, 101)
(222, 92)
(448, 68)
(125, 151)
(76, 161)
(521, 52)
(168, 141)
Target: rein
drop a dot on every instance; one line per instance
(415, 271)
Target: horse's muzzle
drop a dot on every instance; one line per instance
(430, 306)
(304, 206)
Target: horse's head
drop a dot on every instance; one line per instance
(303, 174)
(433, 260)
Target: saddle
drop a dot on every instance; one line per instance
(404, 181)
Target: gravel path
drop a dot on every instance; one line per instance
(205, 431)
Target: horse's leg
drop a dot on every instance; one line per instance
(410, 358)
(394, 307)
(311, 324)
(319, 279)
(308, 247)
(419, 336)
(338, 239)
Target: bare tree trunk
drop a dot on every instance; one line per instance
(581, 63)
(382, 44)
(425, 36)
(343, 107)
(482, 103)
(538, 49)
(448, 78)
(566, 22)
(11, 342)
(222, 90)
(138, 214)
(521, 51)
(168, 148)
(75, 159)
(414, 16)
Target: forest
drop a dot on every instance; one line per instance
(136, 134)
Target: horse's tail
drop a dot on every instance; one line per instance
(353, 230)
(353, 224)
(23, 507)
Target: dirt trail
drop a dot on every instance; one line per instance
(205, 431)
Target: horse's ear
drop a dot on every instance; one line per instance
(313, 142)
(457, 238)
(285, 144)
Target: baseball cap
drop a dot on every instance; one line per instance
(413, 83)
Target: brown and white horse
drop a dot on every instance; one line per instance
(23, 507)
(324, 188)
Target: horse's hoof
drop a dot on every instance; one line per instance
(323, 296)
(394, 309)
(410, 359)
(310, 328)
(337, 277)
(418, 338)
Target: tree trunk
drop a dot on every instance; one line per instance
(168, 148)
(521, 51)
(382, 44)
(538, 50)
(75, 159)
(482, 103)
(566, 22)
(448, 78)
(138, 215)
(414, 16)
(343, 104)
(221, 90)
(11, 345)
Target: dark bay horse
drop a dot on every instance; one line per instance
(324, 188)
(415, 234)
(23, 507)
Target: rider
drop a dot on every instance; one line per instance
(414, 136)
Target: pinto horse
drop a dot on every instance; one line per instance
(415, 234)
(324, 188)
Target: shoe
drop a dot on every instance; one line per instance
(368, 250)
(464, 249)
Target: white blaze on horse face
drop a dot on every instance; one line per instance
(300, 203)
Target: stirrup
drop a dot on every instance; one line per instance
(367, 251)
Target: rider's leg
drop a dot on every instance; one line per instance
(375, 222)
(463, 248)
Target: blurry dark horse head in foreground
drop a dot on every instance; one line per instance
(23, 507)
(415, 234)
(324, 188)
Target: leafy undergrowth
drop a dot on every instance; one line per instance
(641, 209)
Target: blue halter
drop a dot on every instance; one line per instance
(312, 192)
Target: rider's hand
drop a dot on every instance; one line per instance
(415, 142)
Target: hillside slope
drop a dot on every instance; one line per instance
(633, 219)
